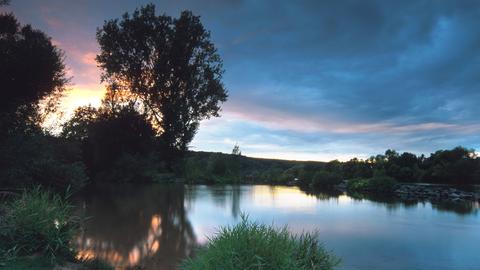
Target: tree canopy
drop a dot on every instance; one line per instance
(167, 67)
(31, 69)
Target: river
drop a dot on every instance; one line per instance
(156, 226)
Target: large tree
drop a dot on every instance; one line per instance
(31, 71)
(167, 66)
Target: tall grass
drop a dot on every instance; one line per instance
(38, 222)
(250, 245)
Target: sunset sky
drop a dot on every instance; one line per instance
(310, 80)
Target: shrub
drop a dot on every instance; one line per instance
(40, 159)
(324, 179)
(250, 245)
(129, 168)
(194, 169)
(382, 184)
(38, 222)
(376, 184)
(358, 184)
(296, 171)
(217, 165)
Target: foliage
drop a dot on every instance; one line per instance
(250, 245)
(117, 146)
(377, 184)
(39, 222)
(456, 166)
(217, 168)
(40, 159)
(166, 66)
(236, 150)
(31, 71)
(131, 168)
(325, 179)
(78, 126)
(28, 263)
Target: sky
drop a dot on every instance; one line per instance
(309, 80)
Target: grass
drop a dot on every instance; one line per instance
(249, 245)
(27, 263)
(36, 231)
(38, 222)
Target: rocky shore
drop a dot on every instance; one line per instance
(411, 192)
(432, 192)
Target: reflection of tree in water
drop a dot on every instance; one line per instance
(222, 194)
(137, 226)
(393, 203)
(236, 194)
(459, 208)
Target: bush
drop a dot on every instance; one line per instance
(216, 168)
(253, 246)
(376, 184)
(383, 184)
(194, 169)
(38, 222)
(129, 168)
(324, 179)
(358, 184)
(40, 159)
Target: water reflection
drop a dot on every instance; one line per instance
(136, 226)
(155, 226)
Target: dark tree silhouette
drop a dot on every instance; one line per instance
(4, 2)
(31, 70)
(168, 65)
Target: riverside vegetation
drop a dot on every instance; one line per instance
(36, 231)
(141, 133)
(249, 245)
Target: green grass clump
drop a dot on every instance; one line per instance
(38, 222)
(249, 245)
(27, 263)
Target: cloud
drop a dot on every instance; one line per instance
(323, 78)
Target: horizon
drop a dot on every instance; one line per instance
(310, 81)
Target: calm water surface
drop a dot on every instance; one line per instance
(156, 226)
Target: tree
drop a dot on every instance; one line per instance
(236, 150)
(169, 67)
(107, 136)
(31, 71)
(77, 128)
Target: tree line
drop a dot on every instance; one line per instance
(456, 166)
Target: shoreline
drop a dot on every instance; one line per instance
(429, 191)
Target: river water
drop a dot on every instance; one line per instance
(156, 226)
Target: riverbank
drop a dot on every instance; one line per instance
(432, 192)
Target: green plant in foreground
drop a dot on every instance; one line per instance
(38, 222)
(249, 245)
